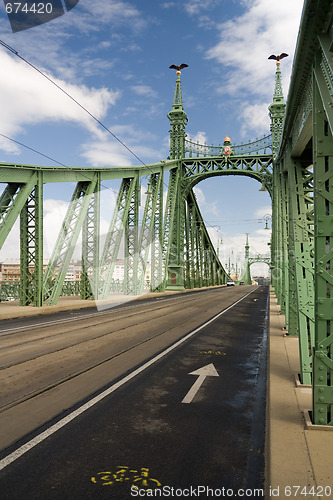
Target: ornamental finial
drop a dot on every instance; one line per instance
(178, 68)
(278, 58)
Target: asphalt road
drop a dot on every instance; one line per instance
(170, 426)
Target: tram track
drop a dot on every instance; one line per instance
(72, 371)
(156, 310)
(76, 374)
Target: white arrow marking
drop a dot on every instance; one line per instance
(205, 371)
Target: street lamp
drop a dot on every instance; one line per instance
(266, 219)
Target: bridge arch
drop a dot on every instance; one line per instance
(257, 167)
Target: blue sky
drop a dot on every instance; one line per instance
(113, 56)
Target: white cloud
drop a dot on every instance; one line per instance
(199, 137)
(210, 207)
(260, 212)
(245, 44)
(254, 117)
(116, 12)
(195, 7)
(27, 98)
(144, 90)
(108, 152)
(54, 214)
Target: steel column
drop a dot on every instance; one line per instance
(62, 253)
(90, 245)
(115, 234)
(300, 253)
(31, 246)
(323, 256)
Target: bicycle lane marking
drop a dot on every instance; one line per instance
(69, 418)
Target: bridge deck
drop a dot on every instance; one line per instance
(296, 454)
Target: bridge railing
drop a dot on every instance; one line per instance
(263, 145)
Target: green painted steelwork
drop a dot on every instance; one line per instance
(64, 247)
(248, 261)
(302, 188)
(178, 120)
(263, 145)
(298, 176)
(31, 246)
(90, 245)
(114, 236)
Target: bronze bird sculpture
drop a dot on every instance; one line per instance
(278, 58)
(178, 68)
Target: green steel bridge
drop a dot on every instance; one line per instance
(294, 163)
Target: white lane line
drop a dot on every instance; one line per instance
(54, 428)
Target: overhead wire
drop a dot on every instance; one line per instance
(32, 149)
(15, 52)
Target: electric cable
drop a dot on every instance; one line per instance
(15, 52)
(32, 149)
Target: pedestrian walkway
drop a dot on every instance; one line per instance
(298, 454)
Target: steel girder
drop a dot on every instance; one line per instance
(202, 265)
(156, 271)
(64, 247)
(90, 245)
(173, 236)
(259, 167)
(323, 246)
(12, 201)
(151, 234)
(127, 201)
(31, 246)
(278, 241)
(301, 274)
(131, 248)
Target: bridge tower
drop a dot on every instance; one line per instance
(246, 275)
(276, 110)
(178, 120)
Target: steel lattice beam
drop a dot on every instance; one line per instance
(90, 245)
(64, 247)
(301, 299)
(12, 202)
(323, 257)
(115, 234)
(31, 246)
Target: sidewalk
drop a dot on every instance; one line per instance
(297, 452)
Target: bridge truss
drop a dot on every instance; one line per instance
(294, 163)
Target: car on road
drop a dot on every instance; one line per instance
(230, 283)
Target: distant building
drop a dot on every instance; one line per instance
(10, 270)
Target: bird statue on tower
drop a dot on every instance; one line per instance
(178, 68)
